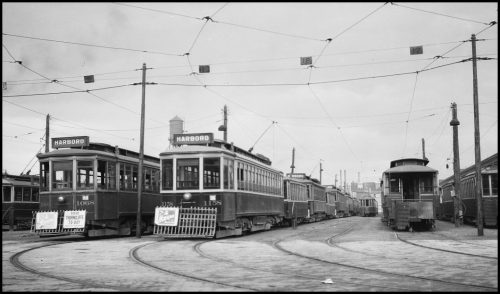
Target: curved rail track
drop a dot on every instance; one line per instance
(15, 260)
(443, 250)
(133, 253)
(377, 271)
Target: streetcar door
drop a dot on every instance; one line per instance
(409, 188)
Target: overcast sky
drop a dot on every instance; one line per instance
(364, 101)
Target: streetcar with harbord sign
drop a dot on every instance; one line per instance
(91, 189)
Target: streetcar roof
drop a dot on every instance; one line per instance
(411, 169)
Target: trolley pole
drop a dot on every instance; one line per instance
(457, 216)
(141, 155)
(479, 180)
(47, 133)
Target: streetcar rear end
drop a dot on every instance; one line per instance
(409, 194)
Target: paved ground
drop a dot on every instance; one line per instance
(350, 254)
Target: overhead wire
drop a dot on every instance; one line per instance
(409, 112)
(90, 45)
(441, 14)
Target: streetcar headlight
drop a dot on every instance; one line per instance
(187, 196)
(60, 199)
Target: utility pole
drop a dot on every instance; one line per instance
(141, 155)
(335, 180)
(293, 160)
(47, 133)
(479, 180)
(320, 171)
(423, 149)
(224, 126)
(345, 180)
(457, 216)
(340, 179)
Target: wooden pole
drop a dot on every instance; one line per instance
(141, 155)
(457, 216)
(479, 179)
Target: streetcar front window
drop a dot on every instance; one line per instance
(44, 176)
(394, 185)
(167, 173)
(211, 173)
(426, 185)
(62, 175)
(188, 173)
(85, 175)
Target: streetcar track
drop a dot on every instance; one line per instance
(14, 260)
(330, 242)
(133, 254)
(444, 250)
(275, 244)
(309, 277)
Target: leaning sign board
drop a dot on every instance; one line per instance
(46, 220)
(74, 219)
(166, 216)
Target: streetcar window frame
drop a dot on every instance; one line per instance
(62, 177)
(211, 173)
(188, 173)
(44, 176)
(167, 166)
(85, 174)
(7, 194)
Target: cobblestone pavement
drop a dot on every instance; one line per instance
(348, 254)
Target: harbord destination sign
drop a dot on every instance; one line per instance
(193, 139)
(64, 142)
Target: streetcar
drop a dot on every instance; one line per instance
(409, 194)
(215, 189)
(368, 204)
(90, 189)
(19, 199)
(489, 173)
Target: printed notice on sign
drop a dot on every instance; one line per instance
(74, 219)
(166, 216)
(46, 221)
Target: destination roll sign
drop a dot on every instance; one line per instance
(193, 139)
(65, 142)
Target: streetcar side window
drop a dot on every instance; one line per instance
(106, 175)
(147, 179)
(167, 174)
(26, 194)
(188, 173)
(6, 194)
(134, 177)
(18, 194)
(228, 173)
(62, 175)
(85, 174)
(34, 194)
(44, 176)
(211, 173)
(156, 180)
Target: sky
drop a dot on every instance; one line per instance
(363, 102)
